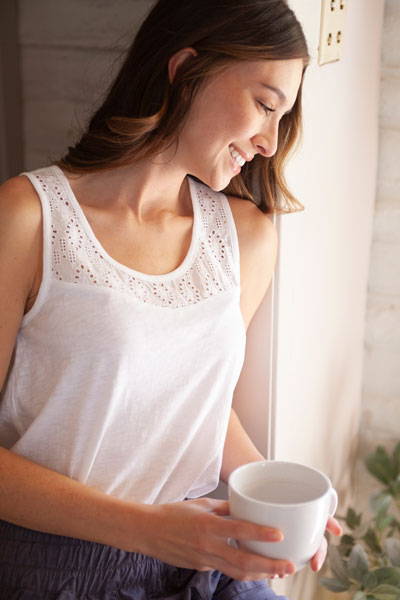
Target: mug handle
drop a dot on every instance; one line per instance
(333, 502)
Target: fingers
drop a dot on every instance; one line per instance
(319, 558)
(236, 528)
(244, 565)
(220, 507)
(244, 530)
(334, 527)
(236, 562)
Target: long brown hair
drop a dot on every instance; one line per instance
(143, 112)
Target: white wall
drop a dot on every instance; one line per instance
(324, 251)
(324, 258)
(381, 379)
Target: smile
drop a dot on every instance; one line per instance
(238, 158)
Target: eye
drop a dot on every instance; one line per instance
(266, 108)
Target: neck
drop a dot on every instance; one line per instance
(152, 190)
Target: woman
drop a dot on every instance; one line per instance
(124, 300)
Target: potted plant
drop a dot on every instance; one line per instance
(366, 562)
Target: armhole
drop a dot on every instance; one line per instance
(233, 234)
(46, 257)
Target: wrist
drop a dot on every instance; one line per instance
(128, 525)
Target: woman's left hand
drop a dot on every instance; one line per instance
(319, 557)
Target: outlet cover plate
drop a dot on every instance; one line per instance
(333, 15)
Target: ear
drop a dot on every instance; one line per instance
(177, 59)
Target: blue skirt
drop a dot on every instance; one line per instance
(42, 566)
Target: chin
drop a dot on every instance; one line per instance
(216, 182)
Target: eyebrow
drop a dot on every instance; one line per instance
(277, 91)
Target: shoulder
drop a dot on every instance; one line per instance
(19, 201)
(20, 211)
(20, 227)
(258, 243)
(256, 230)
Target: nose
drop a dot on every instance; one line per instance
(266, 142)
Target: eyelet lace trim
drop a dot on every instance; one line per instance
(76, 257)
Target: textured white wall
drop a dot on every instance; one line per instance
(381, 381)
(324, 251)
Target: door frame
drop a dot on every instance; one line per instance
(11, 137)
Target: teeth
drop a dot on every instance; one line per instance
(238, 157)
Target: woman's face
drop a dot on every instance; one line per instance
(235, 115)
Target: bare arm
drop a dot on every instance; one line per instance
(41, 499)
(258, 253)
(31, 495)
(238, 449)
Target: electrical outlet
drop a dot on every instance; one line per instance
(333, 14)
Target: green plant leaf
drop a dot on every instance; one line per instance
(372, 541)
(337, 565)
(396, 524)
(380, 502)
(359, 596)
(334, 585)
(396, 459)
(387, 592)
(357, 566)
(346, 544)
(389, 575)
(386, 588)
(370, 581)
(353, 519)
(380, 465)
(394, 488)
(383, 521)
(392, 549)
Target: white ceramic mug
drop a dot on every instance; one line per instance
(292, 497)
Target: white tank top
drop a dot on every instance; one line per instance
(120, 379)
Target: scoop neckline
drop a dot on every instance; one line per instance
(139, 274)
